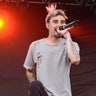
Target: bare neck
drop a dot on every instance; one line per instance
(52, 41)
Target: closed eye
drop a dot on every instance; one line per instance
(55, 21)
(62, 21)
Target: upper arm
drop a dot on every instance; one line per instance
(29, 61)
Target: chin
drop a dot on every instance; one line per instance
(58, 36)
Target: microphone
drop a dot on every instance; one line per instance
(68, 25)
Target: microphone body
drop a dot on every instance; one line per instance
(68, 25)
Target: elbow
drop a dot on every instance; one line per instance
(76, 61)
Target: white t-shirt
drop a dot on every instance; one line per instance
(52, 66)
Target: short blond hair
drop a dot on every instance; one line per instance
(55, 13)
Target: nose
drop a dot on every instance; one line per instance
(59, 24)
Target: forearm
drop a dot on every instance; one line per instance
(72, 51)
(31, 75)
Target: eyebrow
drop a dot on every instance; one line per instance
(62, 21)
(55, 20)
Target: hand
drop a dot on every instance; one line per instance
(62, 32)
(67, 35)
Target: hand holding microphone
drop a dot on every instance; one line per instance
(64, 29)
(68, 25)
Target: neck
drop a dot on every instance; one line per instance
(52, 40)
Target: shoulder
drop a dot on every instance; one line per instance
(36, 43)
(76, 44)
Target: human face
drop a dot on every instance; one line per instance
(53, 23)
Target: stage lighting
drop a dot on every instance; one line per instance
(2, 19)
(23, 3)
(1, 22)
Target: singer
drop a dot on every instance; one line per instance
(48, 60)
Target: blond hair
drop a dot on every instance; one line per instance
(55, 13)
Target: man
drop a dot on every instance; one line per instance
(49, 59)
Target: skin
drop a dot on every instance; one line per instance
(54, 36)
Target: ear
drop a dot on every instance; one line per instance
(47, 25)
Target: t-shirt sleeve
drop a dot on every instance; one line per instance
(29, 62)
(77, 47)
